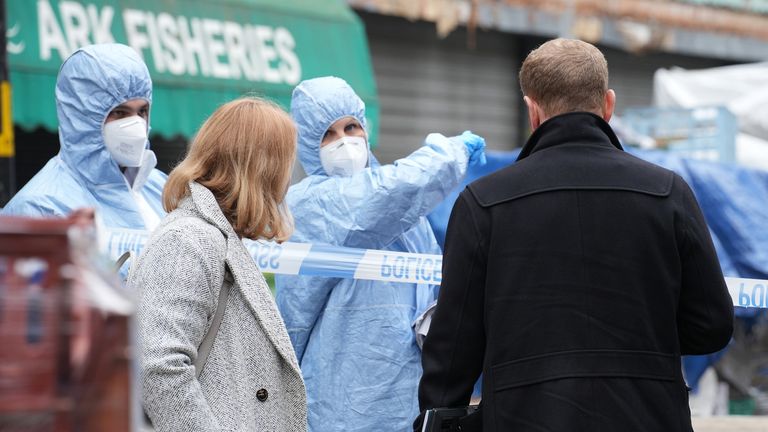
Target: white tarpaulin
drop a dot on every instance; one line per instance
(743, 89)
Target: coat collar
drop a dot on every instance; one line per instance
(569, 128)
(203, 204)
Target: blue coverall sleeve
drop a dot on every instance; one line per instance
(375, 206)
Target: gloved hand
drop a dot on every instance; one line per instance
(475, 147)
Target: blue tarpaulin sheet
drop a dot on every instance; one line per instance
(496, 160)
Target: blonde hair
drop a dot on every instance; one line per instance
(565, 75)
(244, 155)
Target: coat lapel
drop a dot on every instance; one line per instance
(259, 298)
(255, 291)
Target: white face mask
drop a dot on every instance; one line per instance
(125, 140)
(345, 156)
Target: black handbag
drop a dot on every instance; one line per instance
(464, 419)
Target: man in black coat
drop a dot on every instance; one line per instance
(576, 278)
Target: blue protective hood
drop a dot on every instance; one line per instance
(92, 82)
(315, 105)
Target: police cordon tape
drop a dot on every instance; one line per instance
(341, 262)
(334, 261)
(748, 292)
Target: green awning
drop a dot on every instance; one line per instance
(200, 53)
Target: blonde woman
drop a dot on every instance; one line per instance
(216, 354)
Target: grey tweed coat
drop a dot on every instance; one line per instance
(251, 380)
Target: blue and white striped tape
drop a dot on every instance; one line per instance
(748, 292)
(334, 261)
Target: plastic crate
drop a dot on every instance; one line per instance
(707, 133)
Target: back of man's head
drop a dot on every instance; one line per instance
(565, 75)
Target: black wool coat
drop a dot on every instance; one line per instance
(574, 280)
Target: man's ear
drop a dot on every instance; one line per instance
(609, 103)
(534, 113)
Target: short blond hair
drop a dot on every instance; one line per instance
(244, 155)
(565, 75)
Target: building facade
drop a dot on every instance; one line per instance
(450, 65)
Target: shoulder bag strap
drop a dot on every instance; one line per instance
(210, 336)
(123, 258)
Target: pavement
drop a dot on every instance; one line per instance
(731, 424)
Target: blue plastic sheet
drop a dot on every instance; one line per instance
(495, 160)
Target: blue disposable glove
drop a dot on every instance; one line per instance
(475, 147)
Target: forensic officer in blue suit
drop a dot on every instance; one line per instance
(103, 96)
(354, 338)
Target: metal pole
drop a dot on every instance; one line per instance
(7, 149)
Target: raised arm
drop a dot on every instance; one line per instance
(375, 206)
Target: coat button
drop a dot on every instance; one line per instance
(262, 395)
